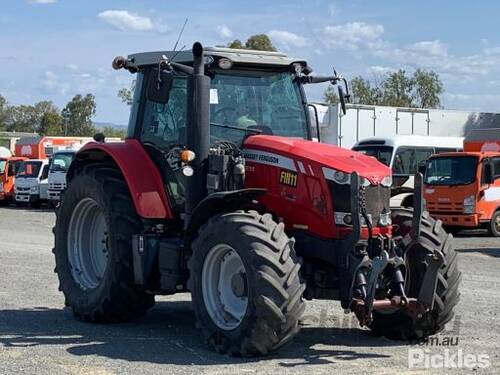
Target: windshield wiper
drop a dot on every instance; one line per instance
(255, 131)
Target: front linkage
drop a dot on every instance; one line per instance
(368, 263)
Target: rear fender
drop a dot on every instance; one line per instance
(141, 174)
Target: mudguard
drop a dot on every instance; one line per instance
(217, 203)
(141, 174)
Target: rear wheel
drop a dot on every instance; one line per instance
(93, 249)
(400, 326)
(245, 284)
(494, 228)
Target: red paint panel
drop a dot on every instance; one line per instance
(141, 174)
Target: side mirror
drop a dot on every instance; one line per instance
(314, 121)
(12, 170)
(342, 100)
(159, 86)
(489, 177)
(422, 167)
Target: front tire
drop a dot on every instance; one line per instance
(247, 257)
(494, 227)
(398, 325)
(93, 250)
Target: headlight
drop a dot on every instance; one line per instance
(342, 178)
(385, 219)
(469, 204)
(34, 189)
(387, 181)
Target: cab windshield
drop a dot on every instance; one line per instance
(61, 161)
(29, 169)
(451, 170)
(242, 103)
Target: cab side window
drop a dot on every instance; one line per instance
(164, 124)
(496, 168)
(407, 159)
(45, 172)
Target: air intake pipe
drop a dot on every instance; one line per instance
(197, 130)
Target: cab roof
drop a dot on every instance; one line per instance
(413, 141)
(480, 155)
(237, 56)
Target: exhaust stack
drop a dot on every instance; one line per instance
(197, 130)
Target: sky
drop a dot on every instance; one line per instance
(54, 49)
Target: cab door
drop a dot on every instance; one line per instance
(44, 182)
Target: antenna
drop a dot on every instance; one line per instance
(180, 34)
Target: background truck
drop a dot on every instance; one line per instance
(219, 190)
(463, 189)
(404, 154)
(31, 183)
(36, 147)
(9, 165)
(362, 121)
(59, 165)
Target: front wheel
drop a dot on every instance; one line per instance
(93, 249)
(245, 284)
(399, 326)
(494, 227)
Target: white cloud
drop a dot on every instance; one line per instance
(333, 10)
(43, 1)
(378, 69)
(224, 31)
(72, 67)
(287, 38)
(353, 35)
(126, 21)
(430, 47)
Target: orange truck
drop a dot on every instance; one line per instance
(9, 166)
(37, 147)
(462, 189)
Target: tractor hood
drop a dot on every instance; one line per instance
(333, 157)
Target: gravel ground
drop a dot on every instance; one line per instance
(37, 335)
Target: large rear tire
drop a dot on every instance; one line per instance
(93, 248)
(245, 284)
(399, 326)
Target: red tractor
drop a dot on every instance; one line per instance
(219, 190)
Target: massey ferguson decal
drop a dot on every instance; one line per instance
(269, 158)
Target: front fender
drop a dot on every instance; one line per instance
(140, 173)
(217, 203)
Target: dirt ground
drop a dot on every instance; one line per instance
(38, 335)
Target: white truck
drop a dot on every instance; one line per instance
(364, 121)
(60, 162)
(31, 183)
(404, 154)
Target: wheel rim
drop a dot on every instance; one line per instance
(224, 286)
(88, 244)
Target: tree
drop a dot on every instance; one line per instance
(427, 88)
(77, 116)
(398, 89)
(27, 118)
(125, 95)
(330, 96)
(420, 90)
(4, 113)
(260, 42)
(236, 44)
(50, 124)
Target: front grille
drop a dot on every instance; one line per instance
(445, 207)
(23, 189)
(377, 199)
(56, 186)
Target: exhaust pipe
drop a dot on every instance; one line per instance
(197, 130)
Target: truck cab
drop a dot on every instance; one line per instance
(31, 183)
(60, 162)
(404, 154)
(463, 189)
(9, 166)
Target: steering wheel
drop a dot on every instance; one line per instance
(228, 113)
